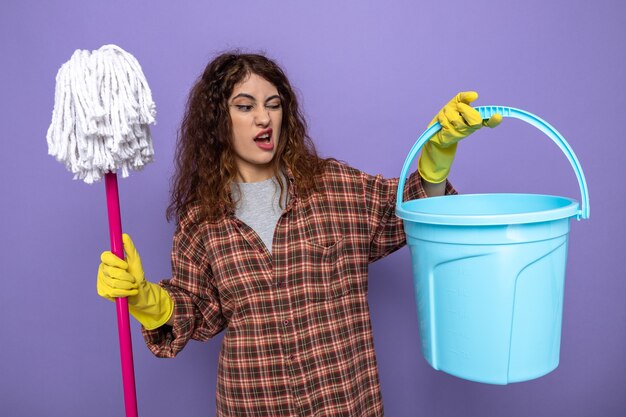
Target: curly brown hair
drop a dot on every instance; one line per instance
(204, 161)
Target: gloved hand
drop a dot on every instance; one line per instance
(458, 120)
(150, 304)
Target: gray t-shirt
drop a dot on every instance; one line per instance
(259, 206)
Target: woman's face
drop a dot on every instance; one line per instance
(256, 115)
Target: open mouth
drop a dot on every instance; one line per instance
(264, 138)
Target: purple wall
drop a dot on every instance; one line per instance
(371, 75)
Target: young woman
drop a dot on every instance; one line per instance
(273, 245)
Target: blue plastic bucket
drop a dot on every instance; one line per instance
(489, 272)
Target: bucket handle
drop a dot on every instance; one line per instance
(486, 112)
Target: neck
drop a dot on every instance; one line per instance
(256, 175)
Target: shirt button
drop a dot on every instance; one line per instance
(280, 284)
(286, 322)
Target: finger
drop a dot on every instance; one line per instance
(108, 290)
(466, 97)
(454, 118)
(124, 293)
(132, 256)
(129, 247)
(493, 121)
(116, 293)
(118, 284)
(470, 115)
(443, 120)
(118, 274)
(109, 259)
(103, 290)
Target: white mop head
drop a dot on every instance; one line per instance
(102, 109)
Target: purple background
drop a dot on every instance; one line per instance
(370, 76)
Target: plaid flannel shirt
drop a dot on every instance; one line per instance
(298, 338)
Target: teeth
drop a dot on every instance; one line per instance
(265, 136)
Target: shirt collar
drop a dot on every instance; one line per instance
(291, 193)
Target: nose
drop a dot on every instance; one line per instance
(262, 116)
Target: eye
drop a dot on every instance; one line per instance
(243, 107)
(274, 106)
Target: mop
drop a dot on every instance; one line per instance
(100, 126)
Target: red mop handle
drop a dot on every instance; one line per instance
(123, 322)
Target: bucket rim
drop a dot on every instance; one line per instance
(564, 212)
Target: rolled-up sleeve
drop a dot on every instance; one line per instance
(197, 310)
(386, 229)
